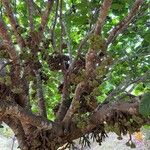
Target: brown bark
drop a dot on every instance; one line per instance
(14, 24)
(40, 96)
(102, 16)
(48, 136)
(37, 132)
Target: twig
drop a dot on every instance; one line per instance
(126, 83)
(1, 9)
(53, 27)
(124, 23)
(125, 59)
(69, 47)
(64, 31)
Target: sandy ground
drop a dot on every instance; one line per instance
(6, 143)
(110, 143)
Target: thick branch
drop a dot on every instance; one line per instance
(11, 108)
(64, 99)
(75, 102)
(15, 59)
(105, 112)
(17, 128)
(124, 23)
(99, 24)
(84, 85)
(7, 42)
(11, 50)
(102, 16)
(90, 66)
(14, 23)
(108, 112)
(40, 95)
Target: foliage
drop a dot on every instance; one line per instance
(63, 67)
(145, 105)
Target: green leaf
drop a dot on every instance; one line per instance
(147, 37)
(145, 105)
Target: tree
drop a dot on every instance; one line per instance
(70, 69)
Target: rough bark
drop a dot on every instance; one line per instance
(37, 131)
